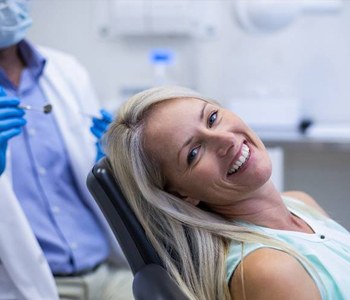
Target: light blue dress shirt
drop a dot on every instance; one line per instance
(69, 234)
(327, 250)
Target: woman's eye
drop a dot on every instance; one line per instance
(192, 155)
(212, 118)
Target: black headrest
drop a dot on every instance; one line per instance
(125, 226)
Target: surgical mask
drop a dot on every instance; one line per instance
(14, 21)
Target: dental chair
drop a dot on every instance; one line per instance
(151, 280)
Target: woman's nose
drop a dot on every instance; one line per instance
(221, 142)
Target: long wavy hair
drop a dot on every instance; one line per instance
(192, 242)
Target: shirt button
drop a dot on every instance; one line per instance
(56, 209)
(31, 131)
(74, 245)
(42, 171)
(322, 237)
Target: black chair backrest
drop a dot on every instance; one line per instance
(151, 281)
(125, 226)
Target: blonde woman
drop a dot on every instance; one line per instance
(198, 179)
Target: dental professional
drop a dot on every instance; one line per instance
(54, 241)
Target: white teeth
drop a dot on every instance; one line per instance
(241, 160)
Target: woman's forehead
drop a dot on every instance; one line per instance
(172, 112)
(167, 124)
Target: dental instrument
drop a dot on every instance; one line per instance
(46, 109)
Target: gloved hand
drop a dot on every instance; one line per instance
(98, 128)
(11, 121)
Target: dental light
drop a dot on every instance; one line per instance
(265, 16)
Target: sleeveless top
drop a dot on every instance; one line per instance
(327, 249)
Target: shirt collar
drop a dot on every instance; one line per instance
(34, 61)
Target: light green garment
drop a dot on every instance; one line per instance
(328, 250)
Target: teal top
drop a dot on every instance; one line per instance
(327, 249)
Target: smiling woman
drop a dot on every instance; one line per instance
(196, 144)
(198, 179)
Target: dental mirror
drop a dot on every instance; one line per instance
(46, 109)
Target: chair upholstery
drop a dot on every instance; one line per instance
(151, 280)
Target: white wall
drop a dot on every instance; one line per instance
(310, 60)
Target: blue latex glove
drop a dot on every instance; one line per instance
(98, 128)
(11, 121)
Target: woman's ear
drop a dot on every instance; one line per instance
(189, 200)
(192, 201)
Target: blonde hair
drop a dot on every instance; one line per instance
(192, 242)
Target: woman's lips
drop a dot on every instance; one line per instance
(240, 160)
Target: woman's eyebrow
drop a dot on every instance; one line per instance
(203, 110)
(189, 140)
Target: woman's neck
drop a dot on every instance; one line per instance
(265, 207)
(12, 63)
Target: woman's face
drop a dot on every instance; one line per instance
(206, 153)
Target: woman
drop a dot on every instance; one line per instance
(198, 179)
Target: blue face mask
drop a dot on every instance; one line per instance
(14, 21)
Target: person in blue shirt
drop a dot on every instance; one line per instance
(54, 239)
(199, 180)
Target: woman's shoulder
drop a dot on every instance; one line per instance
(306, 199)
(272, 274)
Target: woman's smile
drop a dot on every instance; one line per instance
(240, 160)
